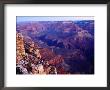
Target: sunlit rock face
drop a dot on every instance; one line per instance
(20, 50)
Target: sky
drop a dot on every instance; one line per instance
(52, 18)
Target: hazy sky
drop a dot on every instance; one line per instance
(52, 18)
